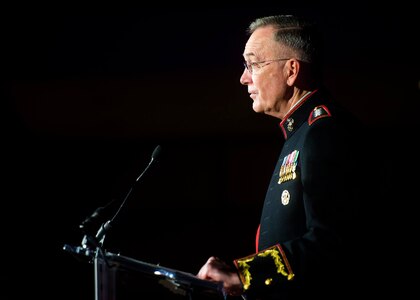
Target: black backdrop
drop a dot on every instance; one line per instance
(88, 96)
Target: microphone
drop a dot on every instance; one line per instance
(100, 235)
(91, 220)
(94, 215)
(155, 154)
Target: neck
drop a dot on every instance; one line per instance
(296, 99)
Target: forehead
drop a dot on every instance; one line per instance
(261, 43)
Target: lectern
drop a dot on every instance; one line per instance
(118, 277)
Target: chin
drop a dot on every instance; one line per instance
(257, 108)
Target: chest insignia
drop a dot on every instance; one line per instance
(290, 123)
(288, 167)
(285, 197)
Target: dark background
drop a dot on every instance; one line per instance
(87, 96)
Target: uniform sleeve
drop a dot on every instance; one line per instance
(264, 268)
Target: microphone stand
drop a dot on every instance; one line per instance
(99, 238)
(107, 264)
(104, 274)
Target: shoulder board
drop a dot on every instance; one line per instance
(319, 112)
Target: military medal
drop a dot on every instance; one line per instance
(288, 167)
(285, 197)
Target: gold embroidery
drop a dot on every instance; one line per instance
(243, 265)
(276, 253)
(277, 261)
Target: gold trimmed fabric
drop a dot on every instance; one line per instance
(264, 268)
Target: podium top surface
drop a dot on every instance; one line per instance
(170, 276)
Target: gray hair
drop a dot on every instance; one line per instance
(296, 33)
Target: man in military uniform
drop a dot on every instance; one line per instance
(309, 219)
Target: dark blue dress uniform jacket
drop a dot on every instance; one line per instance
(309, 224)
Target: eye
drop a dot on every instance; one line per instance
(254, 64)
(249, 66)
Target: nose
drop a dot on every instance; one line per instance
(246, 77)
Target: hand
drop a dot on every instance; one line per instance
(217, 270)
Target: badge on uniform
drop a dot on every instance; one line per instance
(317, 113)
(288, 167)
(285, 197)
(290, 123)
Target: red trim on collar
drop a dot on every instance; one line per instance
(291, 111)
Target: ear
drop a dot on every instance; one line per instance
(293, 68)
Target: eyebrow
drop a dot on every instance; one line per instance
(251, 54)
